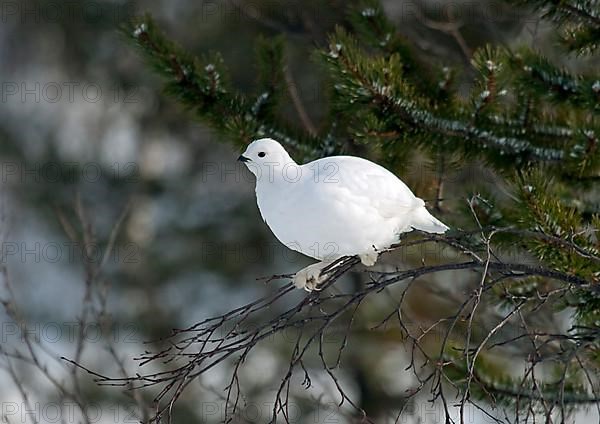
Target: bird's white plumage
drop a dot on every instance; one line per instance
(335, 206)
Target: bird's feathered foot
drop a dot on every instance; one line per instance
(310, 278)
(369, 259)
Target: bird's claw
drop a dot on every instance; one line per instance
(369, 259)
(310, 278)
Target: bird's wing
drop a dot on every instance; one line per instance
(362, 179)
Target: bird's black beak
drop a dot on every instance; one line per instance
(243, 158)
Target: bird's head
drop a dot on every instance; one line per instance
(265, 156)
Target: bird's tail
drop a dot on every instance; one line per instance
(424, 221)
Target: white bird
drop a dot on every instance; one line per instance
(333, 207)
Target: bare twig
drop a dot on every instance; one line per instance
(196, 350)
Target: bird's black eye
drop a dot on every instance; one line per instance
(261, 154)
